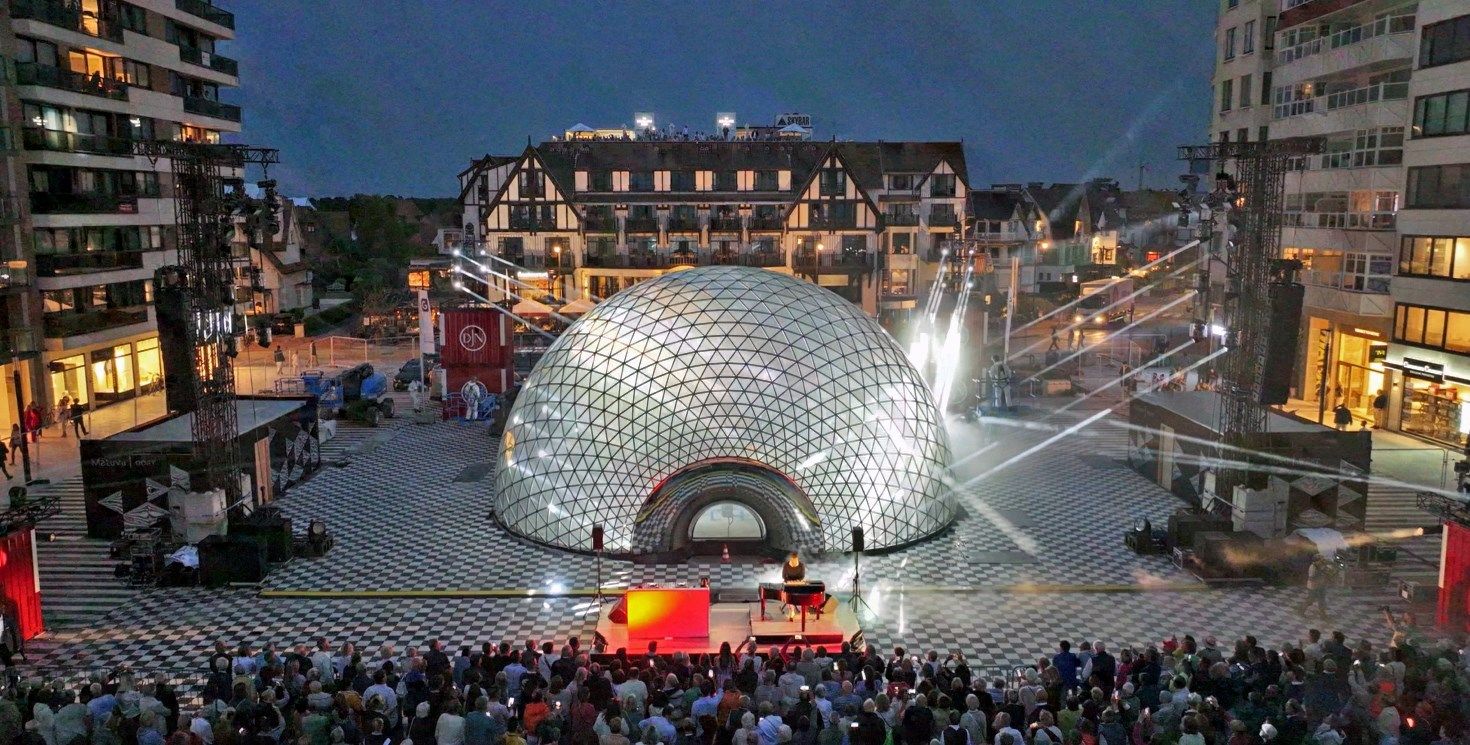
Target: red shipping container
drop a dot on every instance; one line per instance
(479, 337)
(20, 582)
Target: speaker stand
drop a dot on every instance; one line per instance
(599, 598)
(856, 602)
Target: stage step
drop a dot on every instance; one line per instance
(1394, 508)
(78, 585)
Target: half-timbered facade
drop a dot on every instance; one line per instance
(584, 219)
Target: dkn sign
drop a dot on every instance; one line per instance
(477, 342)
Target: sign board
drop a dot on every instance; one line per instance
(426, 327)
(1424, 370)
(1377, 352)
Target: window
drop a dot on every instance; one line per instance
(530, 184)
(941, 185)
(1232, 4)
(37, 51)
(1265, 88)
(1270, 36)
(901, 182)
(681, 180)
(1441, 257)
(599, 181)
(833, 182)
(134, 18)
(1439, 187)
(1445, 42)
(1224, 135)
(94, 65)
(136, 73)
(854, 246)
(1379, 146)
(1227, 94)
(902, 243)
(1442, 114)
(640, 181)
(725, 181)
(1248, 38)
(1436, 328)
(767, 181)
(1243, 134)
(1245, 93)
(1263, 133)
(1230, 43)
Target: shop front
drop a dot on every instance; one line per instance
(1352, 358)
(108, 374)
(1434, 398)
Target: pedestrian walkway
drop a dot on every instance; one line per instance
(56, 457)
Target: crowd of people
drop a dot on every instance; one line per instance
(1320, 690)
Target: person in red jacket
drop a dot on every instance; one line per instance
(32, 420)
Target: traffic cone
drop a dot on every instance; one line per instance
(724, 553)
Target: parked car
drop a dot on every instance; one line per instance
(410, 371)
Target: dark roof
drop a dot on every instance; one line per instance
(1149, 203)
(1060, 203)
(483, 163)
(1104, 202)
(993, 205)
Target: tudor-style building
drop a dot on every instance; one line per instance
(583, 219)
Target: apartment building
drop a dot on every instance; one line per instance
(1428, 352)
(1244, 58)
(90, 79)
(584, 218)
(1342, 73)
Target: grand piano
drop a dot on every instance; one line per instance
(802, 595)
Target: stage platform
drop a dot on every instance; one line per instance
(735, 622)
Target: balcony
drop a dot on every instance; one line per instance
(207, 107)
(67, 16)
(837, 261)
(522, 222)
(600, 223)
(556, 262)
(725, 224)
(766, 223)
(833, 223)
(88, 203)
(1342, 99)
(1353, 294)
(17, 344)
(14, 273)
(1340, 220)
(59, 265)
(895, 219)
(66, 323)
(641, 225)
(37, 138)
(683, 225)
(943, 220)
(1348, 37)
(216, 62)
(207, 11)
(34, 73)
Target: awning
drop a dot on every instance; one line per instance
(577, 307)
(531, 308)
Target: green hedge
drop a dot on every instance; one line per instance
(315, 324)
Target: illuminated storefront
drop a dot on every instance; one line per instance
(1352, 357)
(107, 374)
(1431, 360)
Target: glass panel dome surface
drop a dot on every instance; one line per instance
(724, 364)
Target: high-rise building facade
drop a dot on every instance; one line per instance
(1428, 355)
(92, 220)
(1244, 56)
(1342, 74)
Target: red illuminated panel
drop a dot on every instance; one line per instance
(666, 613)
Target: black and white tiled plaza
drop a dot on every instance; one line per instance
(1036, 555)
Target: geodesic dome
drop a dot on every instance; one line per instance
(724, 383)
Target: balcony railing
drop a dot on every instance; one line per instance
(943, 220)
(1339, 220)
(14, 273)
(37, 138)
(17, 344)
(766, 223)
(600, 223)
(1351, 282)
(561, 262)
(900, 218)
(216, 62)
(725, 224)
(55, 265)
(35, 73)
(683, 224)
(1399, 24)
(1342, 99)
(67, 16)
(837, 260)
(641, 225)
(48, 203)
(207, 107)
(207, 11)
(67, 323)
(833, 223)
(531, 223)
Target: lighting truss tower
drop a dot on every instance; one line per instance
(209, 193)
(1250, 199)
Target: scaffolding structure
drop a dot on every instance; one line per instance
(209, 195)
(1248, 192)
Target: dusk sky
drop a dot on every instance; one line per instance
(396, 96)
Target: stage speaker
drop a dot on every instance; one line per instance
(619, 612)
(271, 529)
(857, 539)
(1281, 337)
(596, 537)
(171, 305)
(227, 559)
